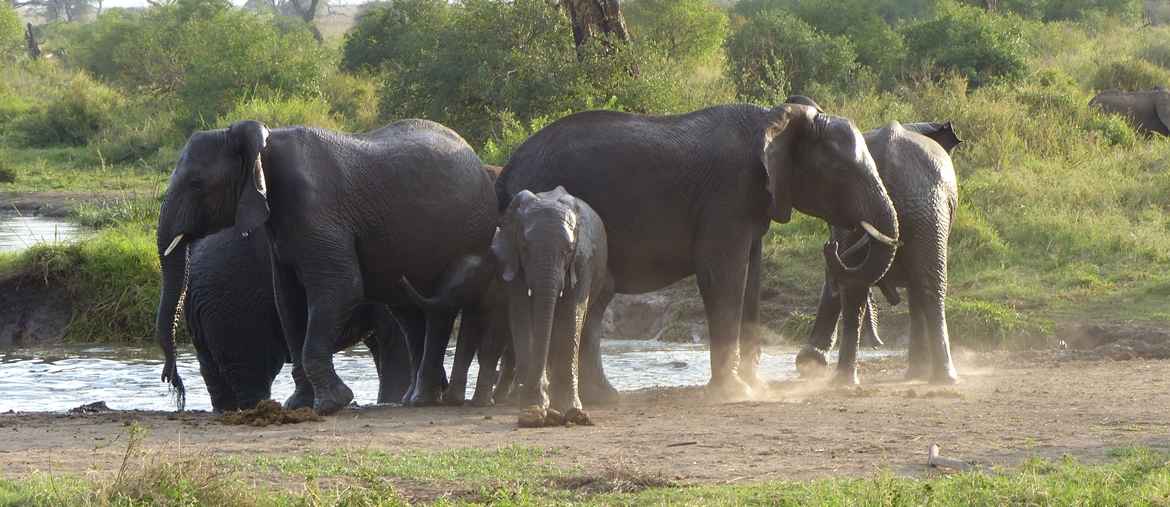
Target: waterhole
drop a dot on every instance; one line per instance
(63, 377)
(19, 233)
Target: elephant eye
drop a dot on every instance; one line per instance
(197, 186)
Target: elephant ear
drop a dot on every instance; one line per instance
(506, 243)
(575, 215)
(782, 128)
(1162, 106)
(252, 208)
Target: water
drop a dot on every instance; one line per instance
(63, 377)
(18, 233)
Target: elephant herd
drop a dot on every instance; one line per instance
(290, 244)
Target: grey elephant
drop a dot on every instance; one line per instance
(694, 194)
(551, 254)
(915, 165)
(472, 284)
(1147, 111)
(230, 313)
(346, 216)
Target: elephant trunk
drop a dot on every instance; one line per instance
(884, 223)
(545, 291)
(175, 267)
(430, 304)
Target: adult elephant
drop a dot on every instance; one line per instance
(230, 313)
(694, 194)
(1147, 111)
(346, 216)
(915, 166)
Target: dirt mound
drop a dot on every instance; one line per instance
(1101, 342)
(269, 412)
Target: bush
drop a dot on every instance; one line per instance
(7, 172)
(279, 113)
(686, 30)
(1129, 75)
(980, 46)
(11, 38)
(75, 114)
(775, 54)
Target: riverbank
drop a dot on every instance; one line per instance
(1018, 413)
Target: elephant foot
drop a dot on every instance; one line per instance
(599, 394)
(728, 391)
(426, 397)
(578, 417)
(751, 377)
(946, 377)
(812, 362)
(453, 398)
(532, 417)
(301, 397)
(482, 402)
(844, 378)
(918, 373)
(331, 401)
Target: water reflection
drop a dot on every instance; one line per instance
(18, 233)
(64, 377)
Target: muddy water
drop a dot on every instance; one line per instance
(126, 378)
(18, 233)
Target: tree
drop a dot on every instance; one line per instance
(775, 54)
(591, 17)
(687, 30)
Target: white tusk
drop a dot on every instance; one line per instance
(878, 234)
(529, 292)
(174, 244)
(856, 246)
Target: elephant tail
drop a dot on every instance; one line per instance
(434, 303)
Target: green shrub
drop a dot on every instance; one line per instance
(75, 114)
(1129, 75)
(7, 172)
(279, 113)
(353, 98)
(988, 325)
(686, 30)
(775, 54)
(11, 32)
(980, 46)
(401, 33)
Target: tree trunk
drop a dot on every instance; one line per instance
(34, 49)
(989, 6)
(591, 17)
(308, 16)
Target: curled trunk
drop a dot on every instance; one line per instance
(876, 263)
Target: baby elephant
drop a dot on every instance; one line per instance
(551, 255)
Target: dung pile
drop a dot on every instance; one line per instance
(269, 412)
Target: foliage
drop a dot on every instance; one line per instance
(776, 54)
(11, 32)
(1057, 10)
(401, 34)
(980, 46)
(1130, 75)
(686, 30)
(278, 113)
(75, 114)
(206, 53)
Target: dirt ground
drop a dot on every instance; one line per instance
(1007, 407)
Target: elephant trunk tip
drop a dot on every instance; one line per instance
(171, 375)
(419, 300)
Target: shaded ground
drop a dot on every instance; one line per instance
(49, 203)
(1008, 407)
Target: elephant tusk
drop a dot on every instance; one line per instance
(878, 234)
(529, 292)
(174, 244)
(856, 246)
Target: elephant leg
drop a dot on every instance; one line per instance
(853, 303)
(471, 333)
(250, 385)
(563, 352)
(813, 358)
(488, 354)
(391, 357)
(507, 380)
(432, 378)
(938, 340)
(722, 277)
(869, 324)
(413, 322)
(223, 398)
(292, 307)
(917, 348)
(594, 387)
(332, 303)
(751, 338)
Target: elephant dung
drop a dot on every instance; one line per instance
(269, 412)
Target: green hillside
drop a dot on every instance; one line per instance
(1064, 211)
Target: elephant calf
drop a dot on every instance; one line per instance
(551, 254)
(1147, 111)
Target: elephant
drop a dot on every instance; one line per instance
(915, 165)
(346, 217)
(230, 313)
(551, 254)
(694, 194)
(1147, 111)
(473, 285)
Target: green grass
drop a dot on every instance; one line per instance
(516, 475)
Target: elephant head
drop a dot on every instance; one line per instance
(819, 164)
(218, 182)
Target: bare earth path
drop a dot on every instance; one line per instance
(1001, 413)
